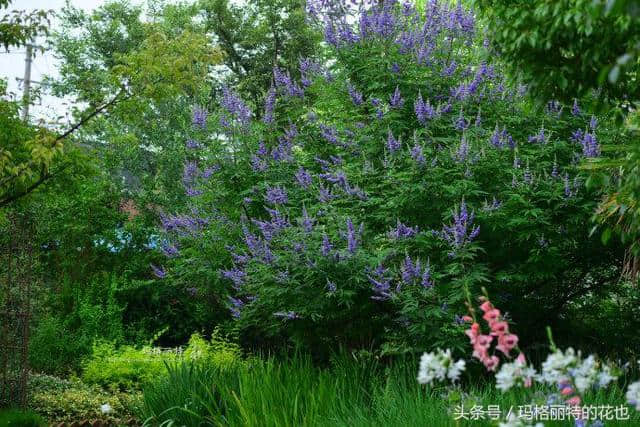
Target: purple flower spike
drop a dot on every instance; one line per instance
(462, 231)
(200, 117)
(356, 97)
(303, 178)
(396, 100)
(276, 196)
(393, 145)
(158, 272)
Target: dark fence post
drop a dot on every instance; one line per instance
(16, 266)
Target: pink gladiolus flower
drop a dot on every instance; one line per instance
(574, 401)
(521, 358)
(492, 316)
(467, 318)
(486, 306)
(491, 363)
(566, 391)
(499, 328)
(473, 332)
(506, 343)
(484, 341)
(480, 353)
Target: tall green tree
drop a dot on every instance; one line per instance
(257, 37)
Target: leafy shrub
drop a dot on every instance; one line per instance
(54, 348)
(15, 418)
(127, 367)
(124, 367)
(81, 314)
(399, 174)
(71, 400)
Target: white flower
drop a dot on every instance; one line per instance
(437, 366)
(554, 369)
(633, 395)
(514, 373)
(455, 370)
(106, 408)
(585, 374)
(605, 377)
(569, 366)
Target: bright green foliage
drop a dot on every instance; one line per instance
(18, 28)
(566, 48)
(155, 67)
(27, 154)
(127, 367)
(60, 400)
(77, 317)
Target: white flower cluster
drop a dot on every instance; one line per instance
(633, 395)
(554, 369)
(514, 373)
(584, 373)
(439, 366)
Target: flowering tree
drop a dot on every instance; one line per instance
(394, 176)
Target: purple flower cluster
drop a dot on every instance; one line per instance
(539, 138)
(353, 236)
(402, 231)
(288, 315)
(393, 145)
(460, 122)
(284, 82)
(183, 224)
(424, 111)
(236, 275)
(396, 100)
(235, 106)
(412, 271)
(269, 105)
(575, 110)
(200, 117)
(236, 306)
(502, 138)
(303, 178)
(192, 144)
(461, 231)
(356, 97)
(159, 272)
(307, 221)
(590, 145)
(417, 154)
(276, 196)
(462, 152)
(381, 283)
(495, 205)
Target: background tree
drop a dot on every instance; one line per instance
(258, 36)
(567, 48)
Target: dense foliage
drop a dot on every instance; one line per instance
(261, 214)
(569, 48)
(385, 184)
